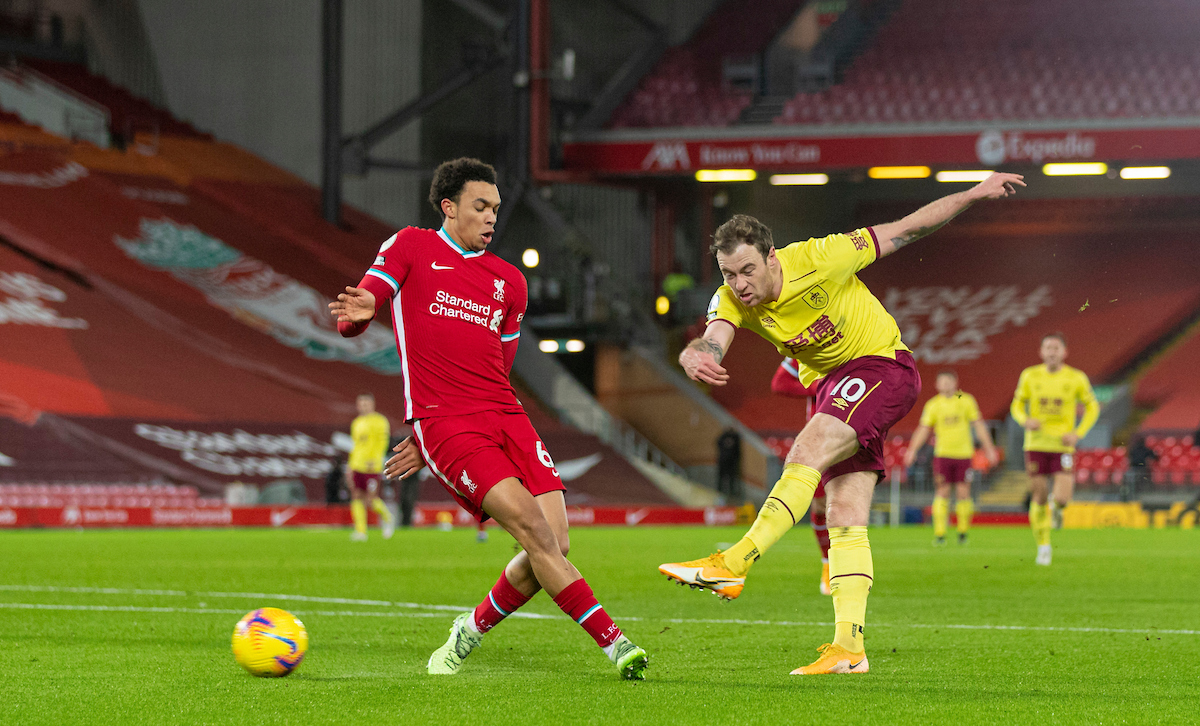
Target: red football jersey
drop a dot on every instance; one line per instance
(457, 317)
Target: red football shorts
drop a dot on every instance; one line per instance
(471, 454)
(951, 471)
(1045, 463)
(364, 482)
(870, 394)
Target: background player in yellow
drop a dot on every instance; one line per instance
(370, 431)
(807, 299)
(951, 415)
(1047, 404)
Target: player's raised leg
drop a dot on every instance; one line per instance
(824, 441)
(515, 509)
(851, 574)
(515, 587)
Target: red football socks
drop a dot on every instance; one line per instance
(822, 532)
(501, 602)
(577, 601)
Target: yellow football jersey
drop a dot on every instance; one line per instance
(951, 418)
(370, 434)
(1053, 399)
(825, 316)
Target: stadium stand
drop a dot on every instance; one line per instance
(974, 61)
(686, 88)
(128, 113)
(1171, 387)
(180, 290)
(1035, 266)
(1022, 60)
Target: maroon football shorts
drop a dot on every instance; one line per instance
(471, 454)
(1045, 463)
(870, 394)
(951, 471)
(363, 482)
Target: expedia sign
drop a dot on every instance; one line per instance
(774, 149)
(996, 147)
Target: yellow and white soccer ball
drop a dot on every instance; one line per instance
(269, 642)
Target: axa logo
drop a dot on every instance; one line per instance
(667, 155)
(466, 482)
(499, 293)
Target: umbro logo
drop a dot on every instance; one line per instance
(436, 266)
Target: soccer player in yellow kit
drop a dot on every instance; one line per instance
(370, 431)
(807, 300)
(951, 415)
(1047, 405)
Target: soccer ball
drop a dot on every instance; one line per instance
(269, 642)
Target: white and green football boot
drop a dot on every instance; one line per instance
(629, 659)
(447, 659)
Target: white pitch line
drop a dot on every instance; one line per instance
(198, 611)
(250, 596)
(534, 616)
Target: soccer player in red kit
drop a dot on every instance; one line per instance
(456, 312)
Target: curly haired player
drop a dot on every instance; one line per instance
(456, 311)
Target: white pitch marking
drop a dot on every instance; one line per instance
(249, 596)
(195, 611)
(537, 616)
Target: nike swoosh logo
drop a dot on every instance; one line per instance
(436, 266)
(702, 580)
(855, 665)
(803, 276)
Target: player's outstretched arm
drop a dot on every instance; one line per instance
(701, 359)
(936, 214)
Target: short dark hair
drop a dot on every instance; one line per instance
(950, 373)
(1061, 338)
(451, 176)
(742, 229)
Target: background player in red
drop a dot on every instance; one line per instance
(786, 382)
(456, 312)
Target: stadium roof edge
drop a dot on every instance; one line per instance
(790, 131)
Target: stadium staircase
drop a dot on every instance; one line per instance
(638, 386)
(162, 307)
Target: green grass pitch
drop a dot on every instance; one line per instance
(1109, 634)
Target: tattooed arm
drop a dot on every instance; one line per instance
(936, 214)
(701, 359)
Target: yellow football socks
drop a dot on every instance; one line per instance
(788, 501)
(941, 516)
(1039, 522)
(381, 509)
(964, 509)
(851, 575)
(358, 511)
